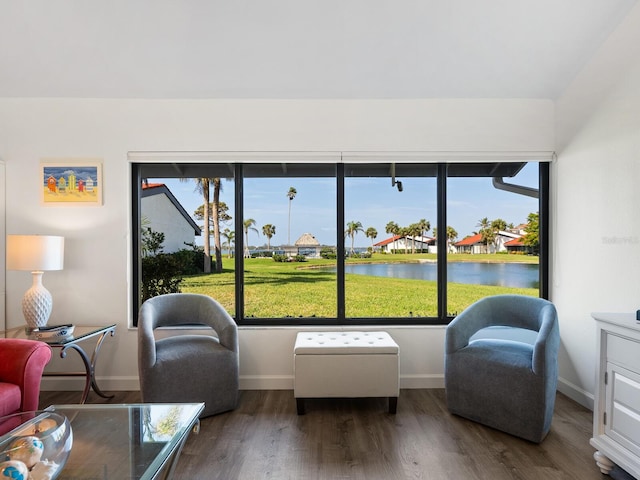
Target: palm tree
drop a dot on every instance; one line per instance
(414, 230)
(485, 231)
(531, 237)
(217, 216)
(405, 232)
(268, 231)
(451, 236)
(248, 224)
(371, 233)
(393, 229)
(230, 237)
(291, 194)
(424, 226)
(215, 211)
(352, 229)
(497, 225)
(202, 186)
(222, 217)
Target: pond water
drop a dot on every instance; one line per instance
(520, 275)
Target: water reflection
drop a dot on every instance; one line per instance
(518, 275)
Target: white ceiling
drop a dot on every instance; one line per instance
(299, 48)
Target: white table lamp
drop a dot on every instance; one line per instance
(36, 254)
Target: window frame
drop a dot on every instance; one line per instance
(237, 166)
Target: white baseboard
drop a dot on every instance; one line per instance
(285, 382)
(266, 382)
(422, 381)
(247, 382)
(576, 393)
(106, 384)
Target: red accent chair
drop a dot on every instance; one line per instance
(21, 365)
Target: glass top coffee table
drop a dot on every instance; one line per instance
(127, 441)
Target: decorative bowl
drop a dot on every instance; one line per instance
(36, 445)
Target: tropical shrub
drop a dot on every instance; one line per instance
(158, 268)
(328, 253)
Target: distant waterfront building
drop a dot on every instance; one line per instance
(402, 243)
(308, 246)
(474, 244)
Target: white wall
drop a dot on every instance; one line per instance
(94, 286)
(596, 246)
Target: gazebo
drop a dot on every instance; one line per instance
(308, 245)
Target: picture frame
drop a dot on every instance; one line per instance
(71, 182)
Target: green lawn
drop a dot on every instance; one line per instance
(275, 290)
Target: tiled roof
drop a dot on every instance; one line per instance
(395, 238)
(387, 241)
(472, 240)
(516, 242)
(151, 185)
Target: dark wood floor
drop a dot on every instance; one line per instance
(357, 439)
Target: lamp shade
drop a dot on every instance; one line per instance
(35, 252)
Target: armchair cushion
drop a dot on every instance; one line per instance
(10, 398)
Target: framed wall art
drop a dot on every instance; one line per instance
(71, 182)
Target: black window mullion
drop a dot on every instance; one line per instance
(543, 225)
(239, 241)
(441, 242)
(136, 239)
(340, 250)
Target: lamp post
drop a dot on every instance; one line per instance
(37, 254)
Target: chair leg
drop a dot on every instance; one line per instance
(300, 405)
(393, 404)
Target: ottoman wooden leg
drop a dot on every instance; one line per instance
(393, 404)
(300, 405)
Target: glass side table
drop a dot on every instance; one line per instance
(75, 342)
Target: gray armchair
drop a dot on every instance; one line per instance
(188, 367)
(501, 366)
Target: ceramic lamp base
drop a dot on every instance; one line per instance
(37, 303)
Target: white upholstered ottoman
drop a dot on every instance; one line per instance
(346, 365)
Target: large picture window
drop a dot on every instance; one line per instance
(338, 242)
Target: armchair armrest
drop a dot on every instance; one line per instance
(146, 338)
(223, 325)
(546, 347)
(474, 318)
(22, 363)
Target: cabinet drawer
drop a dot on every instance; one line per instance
(623, 351)
(623, 407)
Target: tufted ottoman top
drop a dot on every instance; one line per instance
(344, 343)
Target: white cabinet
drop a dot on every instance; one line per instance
(616, 414)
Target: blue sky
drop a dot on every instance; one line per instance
(371, 201)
